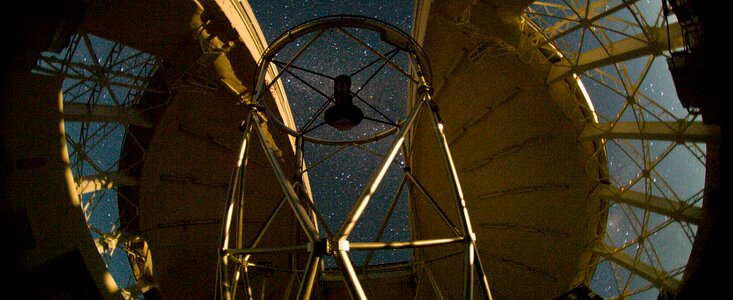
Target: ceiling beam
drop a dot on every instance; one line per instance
(659, 278)
(680, 132)
(654, 41)
(91, 73)
(93, 183)
(571, 24)
(82, 112)
(675, 209)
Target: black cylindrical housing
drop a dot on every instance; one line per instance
(342, 89)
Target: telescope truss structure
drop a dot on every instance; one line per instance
(240, 254)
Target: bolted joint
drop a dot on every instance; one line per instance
(326, 247)
(339, 246)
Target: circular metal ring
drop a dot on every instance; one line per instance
(388, 33)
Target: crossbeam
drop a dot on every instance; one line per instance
(80, 112)
(659, 278)
(695, 132)
(93, 183)
(675, 209)
(620, 51)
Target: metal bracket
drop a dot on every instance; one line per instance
(327, 247)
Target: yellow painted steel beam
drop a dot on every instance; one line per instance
(681, 132)
(672, 208)
(93, 183)
(659, 278)
(654, 41)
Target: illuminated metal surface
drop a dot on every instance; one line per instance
(102, 85)
(655, 148)
(235, 259)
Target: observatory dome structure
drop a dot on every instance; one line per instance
(165, 149)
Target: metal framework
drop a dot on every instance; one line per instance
(611, 45)
(654, 149)
(236, 258)
(103, 82)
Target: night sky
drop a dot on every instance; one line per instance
(338, 180)
(637, 90)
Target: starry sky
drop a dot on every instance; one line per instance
(337, 179)
(638, 90)
(95, 147)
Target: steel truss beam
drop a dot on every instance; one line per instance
(644, 270)
(578, 21)
(290, 195)
(473, 268)
(608, 40)
(94, 70)
(93, 183)
(81, 112)
(675, 209)
(90, 73)
(619, 51)
(680, 132)
(336, 245)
